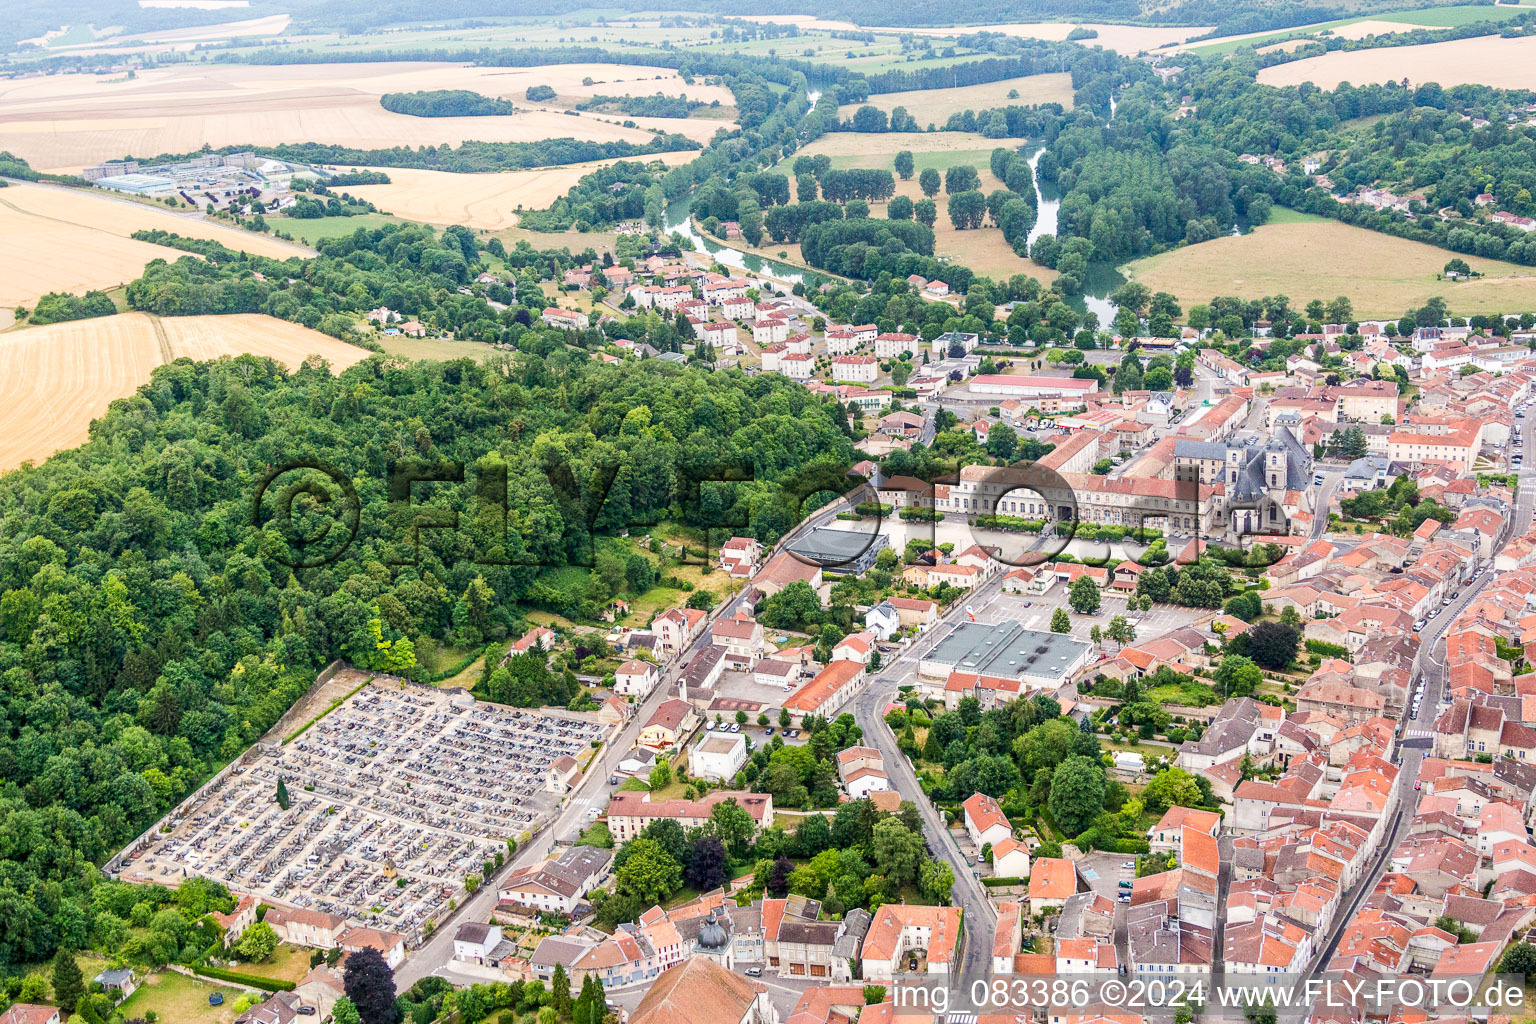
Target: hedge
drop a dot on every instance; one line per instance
(253, 980)
(1327, 650)
(995, 882)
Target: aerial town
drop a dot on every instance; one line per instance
(1003, 512)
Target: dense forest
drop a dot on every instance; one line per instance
(446, 103)
(149, 632)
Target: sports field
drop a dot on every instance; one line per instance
(1310, 257)
(1481, 60)
(934, 106)
(487, 201)
(65, 122)
(55, 239)
(55, 379)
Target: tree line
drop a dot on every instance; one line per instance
(446, 103)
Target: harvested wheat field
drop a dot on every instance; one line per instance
(1120, 38)
(65, 122)
(484, 201)
(933, 106)
(54, 239)
(1483, 60)
(878, 150)
(1314, 258)
(103, 212)
(208, 337)
(60, 377)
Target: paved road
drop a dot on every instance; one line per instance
(1415, 733)
(435, 956)
(980, 918)
(1331, 480)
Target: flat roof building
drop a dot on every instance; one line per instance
(1006, 650)
(843, 551)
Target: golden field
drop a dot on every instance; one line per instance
(1482, 60)
(200, 338)
(57, 239)
(65, 122)
(934, 106)
(482, 201)
(1316, 258)
(877, 150)
(59, 377)
(1120, 38)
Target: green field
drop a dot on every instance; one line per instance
(436, 348)
(312, 231)
(176, 997)
(1431, 17)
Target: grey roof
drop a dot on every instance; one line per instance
(824, 546)
(1008, 650)
(851, 940)
(1187, 449)
(1366, 468)
(1232, 727)
(556, 950)
(111, 978)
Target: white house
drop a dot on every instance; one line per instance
(556, 317)
(797, 366)
(889, 346)
(474, 941)
(882, 620)
(856, 647)
(770, 331)
(635, 679)
(984, 820)
(721, 334)
(719, 755)
(557, 885)
(841, 343)
(1010, 859)
(854, 369)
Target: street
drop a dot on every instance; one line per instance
(435, 955)
(1414, 733)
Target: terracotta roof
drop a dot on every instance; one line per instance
(1052, 878)
(697, 991)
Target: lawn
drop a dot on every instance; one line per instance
(176, 997)
(1189, 694)
(287, 963)
(442, 349)
(311, 231)
(1311, 257)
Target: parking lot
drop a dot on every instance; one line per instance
(394, 798)
(1033, 611)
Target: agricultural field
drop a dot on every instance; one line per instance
(1120, 38)
(209, 337)
(56, 239)
(104, 212)
(436, 348)
(483, 201)
(65, 122)
(1309, 257)
(934, 106)
(1359, 28)
(982, 249)
(1482, 60)
(60, 377)
(57, 378)
(310, 230)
